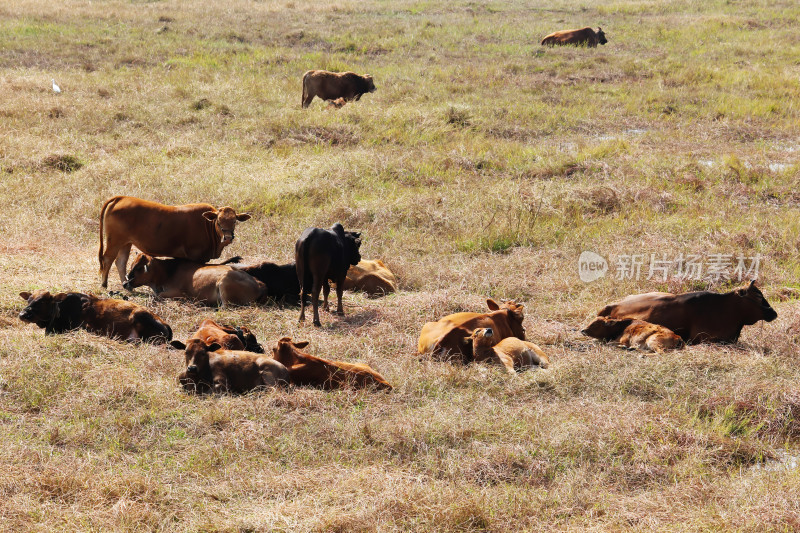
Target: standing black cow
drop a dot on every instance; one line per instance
(321, 255)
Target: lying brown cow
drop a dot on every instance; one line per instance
(336, 86)
(66, 311)
(228, 337)
(210, 368)
(511, 353)
(451, 336)
(697, 316)
(634, 334)
(197, 232)
(208, 284)
(306, 369)
(584, 36)
(372, 277)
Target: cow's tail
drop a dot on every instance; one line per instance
(102, 226)
(305, 88)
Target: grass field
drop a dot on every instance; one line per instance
(482, 167)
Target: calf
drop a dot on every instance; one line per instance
(280, 280)
(306, 369)
(632, 334)
(210, 368)
(697, 316)
(372, 277)
(449, 337)
(511, 353)
(208, 284)
(584, 36)
(197, 232)
(322, 255)
(228, 337)
(66, 311)
(338, 87)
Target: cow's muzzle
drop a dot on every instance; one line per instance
(128, 285)
(26, 316)
(770, 314)
(192, 369)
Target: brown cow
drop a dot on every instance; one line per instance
(511, 353)
(208, 284)
(228, 337)
(306, 369)
(632, 334)
(584, 36)
(372, 277)
(113, 318)
(450, 336)
(335, 86)
(697, 317)
(197, 232)
(210, 368)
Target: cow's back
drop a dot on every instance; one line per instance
(661, 308)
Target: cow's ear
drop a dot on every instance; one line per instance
(213, 347)
(301, 344)
(241, 217)
(25, 295)
(211, 216)
(178, 345)
(752, 284)
(493, 305)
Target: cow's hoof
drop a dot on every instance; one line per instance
(340, 313)
(317, 323)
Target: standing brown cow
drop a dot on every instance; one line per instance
(338, 87)
(194, 231)
(584, 36)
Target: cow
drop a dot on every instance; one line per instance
(634, 334)
(209, 368)
(308, 370)
(215, 285)
(321, 255)
(197, 232)
(280, 280)
(228, 337)
(118, 319)
(337, 104)
(511, 353)
(697, 317)
(338, 87)
(584, 36)
(449, 337)
(372, 277)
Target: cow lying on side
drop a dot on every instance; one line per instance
(197, 232)
(511, 353)
(209, 284)
(697, 316)
(66, 311)
(450, 337)
(584, 36)
(280, 280)
(228, 337)
(633, 334)
(306, 369)
(372, 277)
(336, 86)
(209, 368)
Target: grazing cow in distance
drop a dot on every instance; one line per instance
(197, 232)
(697, 317)
(632, 334)
(210, 368)
(372, 277)
(322, 255)
(280, 280)
(208, 284)
(228, 337)
(450, 337)
(338, 87)
(584, 36)
(511, 353)
(308, 370)
(118, 319)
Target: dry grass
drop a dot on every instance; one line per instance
(482, 166)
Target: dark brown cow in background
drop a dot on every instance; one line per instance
(338, 87)
(194, 231)
(697, 317)
(584, 36)
(322, 255)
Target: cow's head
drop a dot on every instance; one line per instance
(142, 272)
(515, 315)
(352, 243)
(41, 310)
(754, 306)
(369, 83)
(197, 356)
(249, 340)
(601, 37)
(483, 337)
(225, 220)
(606, 328)
(289, 353)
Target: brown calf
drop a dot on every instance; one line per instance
(228, 337)
(511, 353)
(372, 277)
(632, 334)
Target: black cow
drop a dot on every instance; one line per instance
(281, 280)
(321, 255)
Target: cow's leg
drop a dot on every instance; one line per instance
(307, 100)
(122, 261)
(326, 290)
(301, 278)
(339, 291)
(317, 286)
(109, 255)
